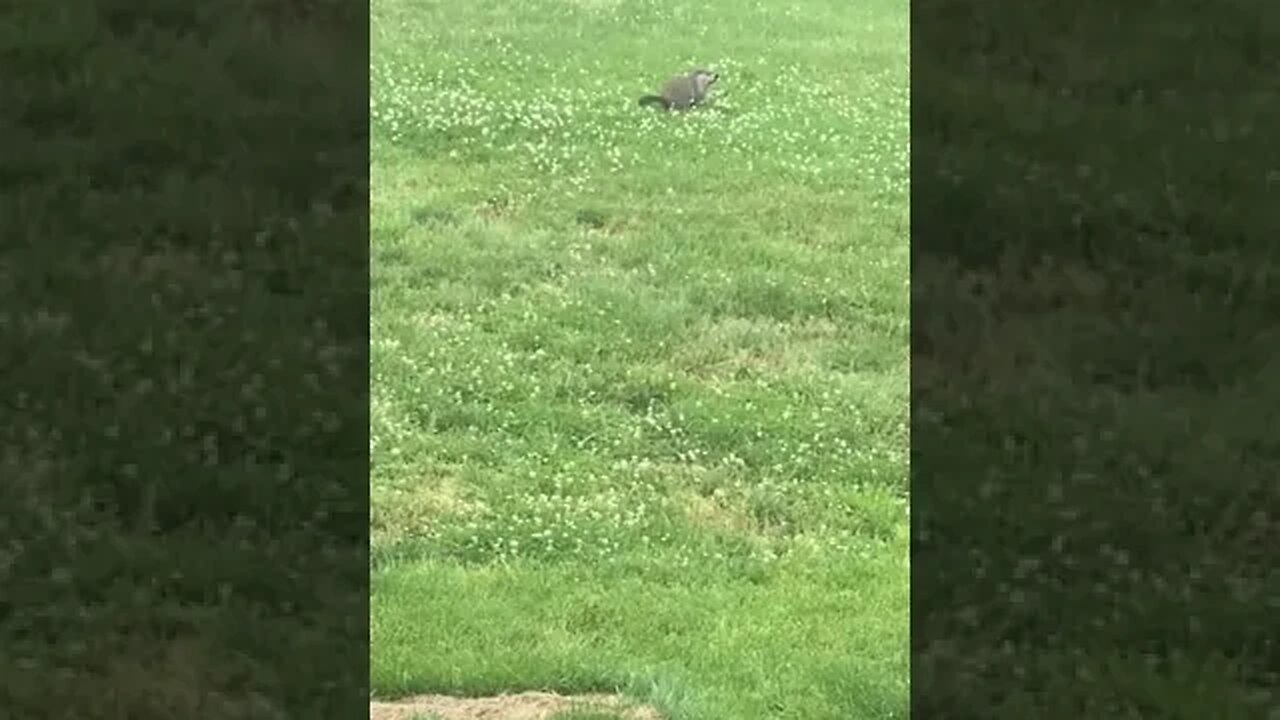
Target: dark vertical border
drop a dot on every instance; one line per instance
(1095, 326)
(183, 298)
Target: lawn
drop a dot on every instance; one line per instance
(182, 295)
(1093, 390)
(639, 381)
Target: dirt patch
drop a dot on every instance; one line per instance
(522, 706)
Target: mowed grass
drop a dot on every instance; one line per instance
(640, 381)
(1094, 381)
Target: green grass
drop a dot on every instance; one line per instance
(1093, 377)
(639, 381)
(183, 526)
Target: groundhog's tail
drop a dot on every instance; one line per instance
(657, 100)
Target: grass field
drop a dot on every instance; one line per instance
(640, 381)
(1094, 387)
(182, 295)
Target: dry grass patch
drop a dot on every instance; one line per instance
(727, 346)
(412, 507)
(521, 706)
(717, 512)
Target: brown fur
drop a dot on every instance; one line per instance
(683, 91)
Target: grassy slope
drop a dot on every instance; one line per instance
(1097, 361)
(640, 382)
